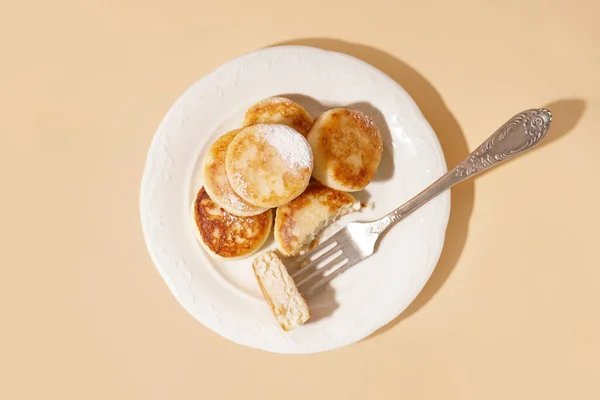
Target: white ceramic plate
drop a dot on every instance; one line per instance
(224, 296)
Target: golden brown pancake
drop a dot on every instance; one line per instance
(279, 110)
(225, 235)
(298, 222)
(347, 148)
(268, 164)
(216, 182)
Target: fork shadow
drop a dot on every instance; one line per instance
(566, 114)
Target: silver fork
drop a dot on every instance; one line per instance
(356, 241)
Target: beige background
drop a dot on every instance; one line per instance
(512, 310)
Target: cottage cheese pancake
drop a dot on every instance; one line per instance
(268, 164)
(216, 182)
(225, 235)
(347, 147)
(298, 222)
(279, 110)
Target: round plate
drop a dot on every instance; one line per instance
(224, 296)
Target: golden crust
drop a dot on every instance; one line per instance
(279, 110)
(269, 164)
(297, 222)
(216, 182)
(347, 149)
(226, 235)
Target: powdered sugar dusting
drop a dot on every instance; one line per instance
(291, 145)
(241, 185)
(237, 202)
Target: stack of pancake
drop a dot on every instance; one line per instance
(281, 159)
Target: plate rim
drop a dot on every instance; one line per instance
(444, 218)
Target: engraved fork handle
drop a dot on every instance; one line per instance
(516, 136)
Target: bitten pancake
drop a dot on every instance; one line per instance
(280, 291)
(226, 235)
(298, 222)
(347, 147)
(279, 110)
(216, 182)
(269, 165)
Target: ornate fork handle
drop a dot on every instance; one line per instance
(516, 136)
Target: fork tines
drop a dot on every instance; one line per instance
(321, 264)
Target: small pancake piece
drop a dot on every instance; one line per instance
(347, 147)
(216, 182)
(298, 222)
(268, 165)
(279, 110)
(225, 235)
(280, 291)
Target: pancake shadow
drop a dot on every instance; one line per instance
(453, 144)
(313, 106)
(385, 171)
